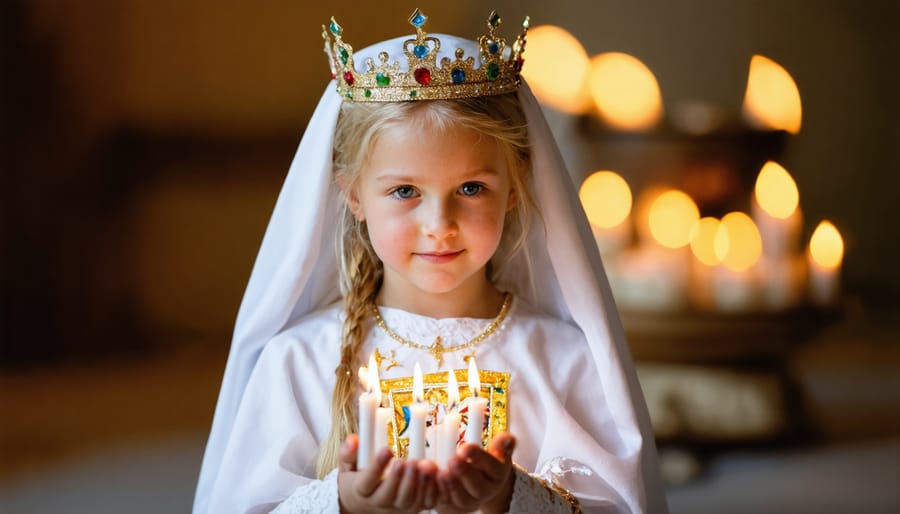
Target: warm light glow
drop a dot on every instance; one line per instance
(373, 385)
(772, 100)
(474, 380)
(671, 218)
(826, 245)
(606, 199)
(557, 69)
(625, 91)
(703, 238)
(418, 387)
(452, 389)
(737, 242)
(776, 192)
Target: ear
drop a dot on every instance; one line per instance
(351, 197)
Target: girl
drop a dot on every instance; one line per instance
(459, 235)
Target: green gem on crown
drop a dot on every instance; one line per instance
(335, 28)
(494, 20)
(493, 71)
(344, 55)
(382, 80)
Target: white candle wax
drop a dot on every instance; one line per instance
(780, 236)
(448, 435)
(824, 284)
(477, 407)
(781, 282)
(382, 418)
(651, 278)
(735, 291)
(475, 427)
(367, 406)
(369, 402)
(417, 411)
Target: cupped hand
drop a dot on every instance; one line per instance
(386, 485)
(479, 479)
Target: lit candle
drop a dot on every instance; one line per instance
(417, 411)
(826, 251)
(776, 212)
(368, 403)
(606, 199)
(449, 432)
(382, 418)
(738, 246)
(477, 407)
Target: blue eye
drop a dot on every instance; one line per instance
(471, 189)
(403, 192)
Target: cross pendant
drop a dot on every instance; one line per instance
(437, 351)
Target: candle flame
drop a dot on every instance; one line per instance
(738, 243)
(557, 69)
(703, 241)
(418, 387)
(671, 218)
(772, 100)
(606, 199)
(775, 191)
(474, 380)
(625, 91)
(452, 390)
(826, 245)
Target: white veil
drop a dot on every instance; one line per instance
(296, 273)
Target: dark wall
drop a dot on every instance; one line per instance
(144, 142)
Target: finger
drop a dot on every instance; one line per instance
(494, 466)
(428, 491)
(370, 477)
(408, 490)
(347, 454)
(386, 492)
(458, 495)
(502, 446)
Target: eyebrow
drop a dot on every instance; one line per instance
(389, 177)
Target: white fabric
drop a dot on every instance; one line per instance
(559, 274)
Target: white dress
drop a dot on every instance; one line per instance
(556, 410)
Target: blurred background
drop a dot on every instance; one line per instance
(144, 143)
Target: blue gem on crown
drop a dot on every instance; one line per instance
(417, 19)
(493, 70)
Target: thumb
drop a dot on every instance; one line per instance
(347, 455)
(501, 446)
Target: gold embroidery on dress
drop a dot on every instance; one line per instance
(398, 397)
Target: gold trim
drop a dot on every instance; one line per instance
(437, 349)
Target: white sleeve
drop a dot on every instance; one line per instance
(271, 452)
(318, 496)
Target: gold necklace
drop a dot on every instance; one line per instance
(437, 349)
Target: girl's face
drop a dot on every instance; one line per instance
(434, 203)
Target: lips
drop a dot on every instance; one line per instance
(439, 257)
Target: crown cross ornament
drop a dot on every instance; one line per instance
(494, 71)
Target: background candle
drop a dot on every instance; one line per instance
(477, 407)
(826, 252)
(416, 448)
(368, 403)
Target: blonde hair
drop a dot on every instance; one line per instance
(358, 129)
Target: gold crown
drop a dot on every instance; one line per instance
(423, 79)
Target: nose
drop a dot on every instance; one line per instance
(439, 219)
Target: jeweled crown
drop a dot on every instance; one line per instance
(423, 79)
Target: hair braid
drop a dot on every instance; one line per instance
(359, 286)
